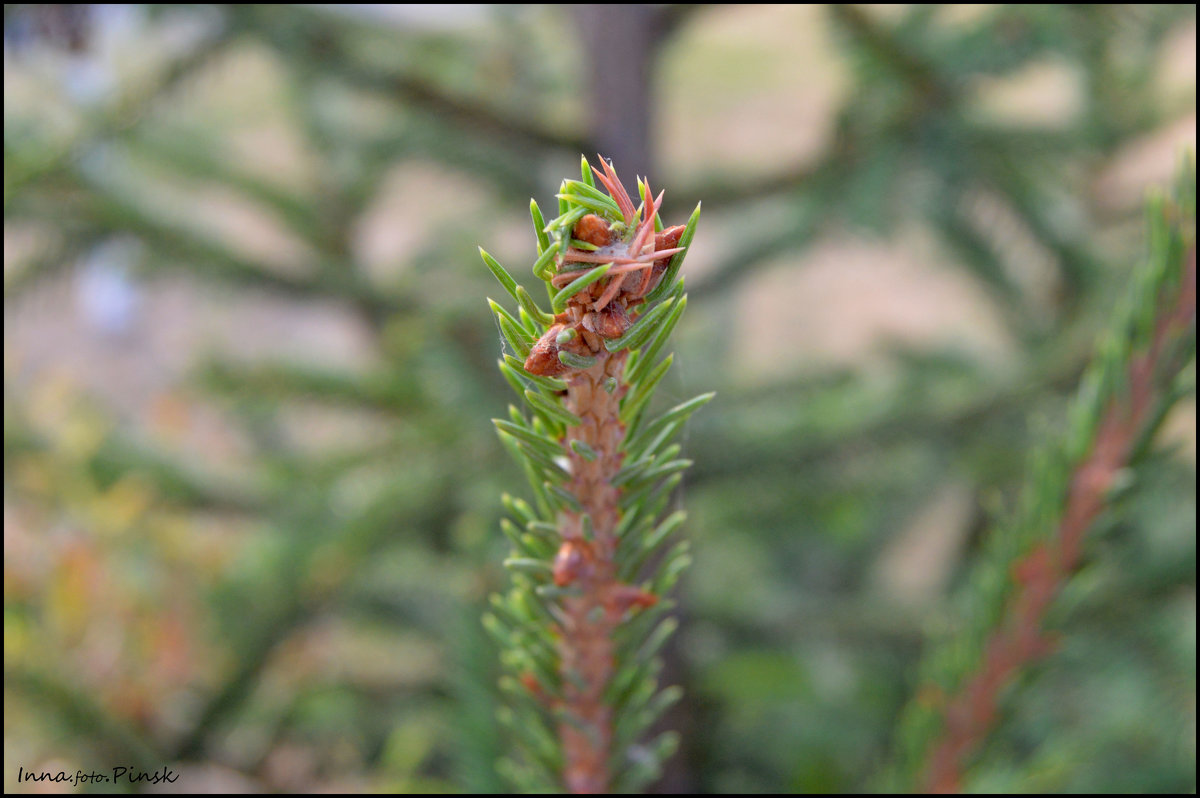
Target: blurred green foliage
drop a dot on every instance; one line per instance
(267, 568)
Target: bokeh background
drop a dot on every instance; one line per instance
(251, 489)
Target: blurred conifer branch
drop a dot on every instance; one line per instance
(912, 123)
(26, 163)
(1138, 374)
(79, 713)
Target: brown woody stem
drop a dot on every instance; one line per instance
(1041, 574)
(590, 618)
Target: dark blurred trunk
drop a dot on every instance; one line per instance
(619, 45)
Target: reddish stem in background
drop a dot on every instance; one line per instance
(1041, 573)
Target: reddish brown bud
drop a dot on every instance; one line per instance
(543, 358)
(574, 559)
(650, 278)
(530, 683)
(667, 239)
(622, 598)
(612, 322)
(593, 230)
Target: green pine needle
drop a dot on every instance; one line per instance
(530, 307)
(575, 361)
(552, 408)
(539, 228)
(665, 285)
(578, 284)
(640, 330)
(506, 279)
